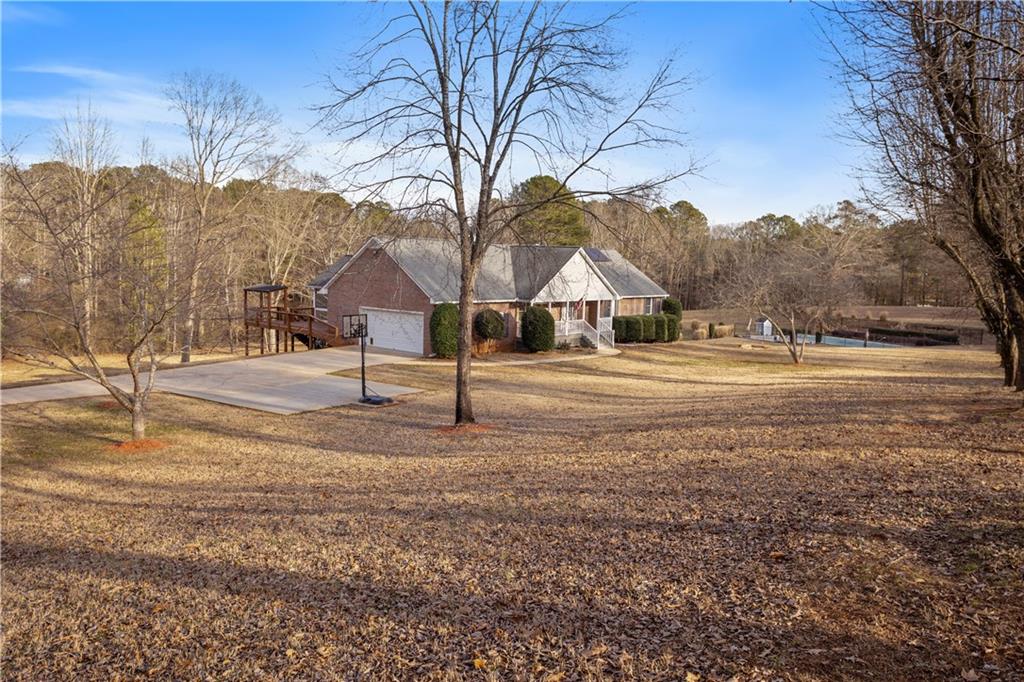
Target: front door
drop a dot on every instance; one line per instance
(592, 313)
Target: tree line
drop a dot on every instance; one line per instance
(149, 260)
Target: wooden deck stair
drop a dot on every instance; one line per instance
(287, 322)
(299, 321)
(292, 323)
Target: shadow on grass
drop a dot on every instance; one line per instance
(471, 618)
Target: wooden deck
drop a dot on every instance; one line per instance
(292, 323)
(288, 322)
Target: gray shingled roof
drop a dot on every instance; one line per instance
(535, 266)
(626, 279)
(434, 265)
(508, 272)
(325, 275)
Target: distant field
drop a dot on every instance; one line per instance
(966, 318)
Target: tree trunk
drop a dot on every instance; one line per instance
(186, 339)
(188, 328)
(903, 284)
(1008, 358)
(1015, 368)
(138, 421)
(464, 354)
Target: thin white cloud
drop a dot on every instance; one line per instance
(29, 13)
(80, 73)
(134, 106)
(118, 97)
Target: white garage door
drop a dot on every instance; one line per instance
(394, 329)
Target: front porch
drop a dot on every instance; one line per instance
(575, 320)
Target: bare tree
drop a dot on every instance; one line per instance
(46, 284)
(84, 153)
(231, 134)
(796, 282)
(937, 89)
(448, 96)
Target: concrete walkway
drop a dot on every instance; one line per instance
(286, 383)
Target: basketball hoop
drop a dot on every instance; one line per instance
(355, 327)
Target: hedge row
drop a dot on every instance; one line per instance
(645, 328)
(537, 324)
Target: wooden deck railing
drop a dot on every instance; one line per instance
(293, 321)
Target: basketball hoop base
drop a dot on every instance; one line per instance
(376, 400)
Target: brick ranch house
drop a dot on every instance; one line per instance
(397, 283)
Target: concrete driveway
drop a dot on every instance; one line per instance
(286, 383)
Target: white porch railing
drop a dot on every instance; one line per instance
(602, 337)
(569, 327)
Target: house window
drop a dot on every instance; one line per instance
(648, 306)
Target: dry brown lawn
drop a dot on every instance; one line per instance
(14, 372)
(682, 510)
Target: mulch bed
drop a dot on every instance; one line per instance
(141, 445)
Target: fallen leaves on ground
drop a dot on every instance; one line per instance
(694, 511)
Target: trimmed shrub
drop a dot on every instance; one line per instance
(489, 324)
(696, 324)
(672, 332)
(444, 330)
(660, 328)
(711, 330)
(619, 327)
(586, 343)
(672, 306)
(700, 334)
(648, 322)
(538, 329)
(634, 329)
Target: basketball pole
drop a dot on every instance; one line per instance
(353, 326)
(362, 362)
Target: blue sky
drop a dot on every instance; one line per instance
(764, 109)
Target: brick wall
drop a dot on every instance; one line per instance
(375, 280)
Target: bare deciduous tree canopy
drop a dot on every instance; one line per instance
(938, 93)
(449, 96)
